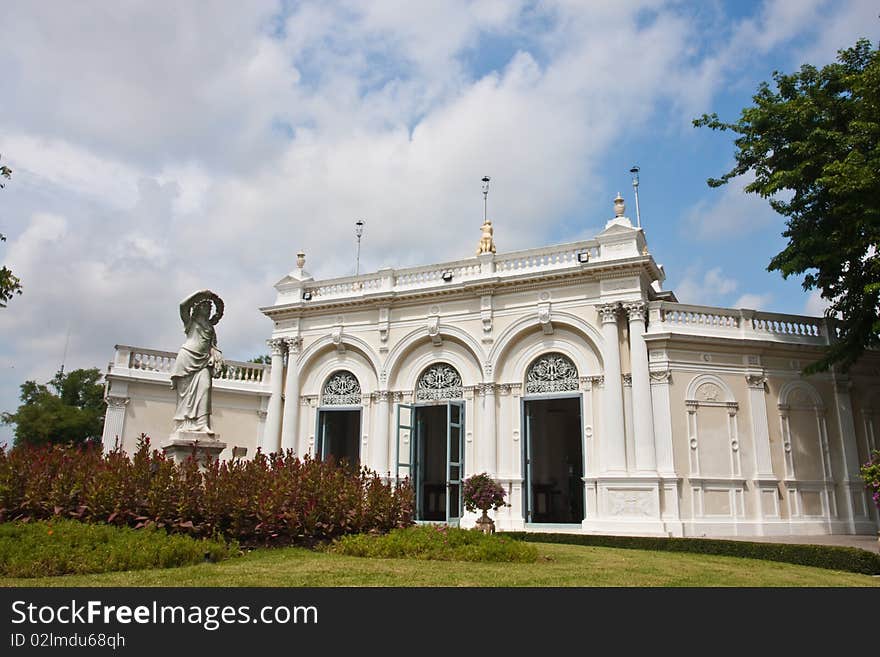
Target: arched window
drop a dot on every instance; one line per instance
(439, 382)
(341, 389)
(552, 372)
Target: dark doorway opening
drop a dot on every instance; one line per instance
(338, 436)
(431, 433)
(554, 460)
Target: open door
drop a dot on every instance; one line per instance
(528, 501)
(404, 445)
(454, 460)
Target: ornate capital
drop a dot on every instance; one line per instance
(627, 380)
(114, 401)
(294, 345)
(756, 381)
(635, 310)
(661, 377)
(276, 345)
(486, 388)
(608, 312)
(598, 380)
(382, 396)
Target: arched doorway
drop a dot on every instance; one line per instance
(430, 443)
(553, 452)
(339, 419)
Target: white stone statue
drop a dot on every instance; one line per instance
(487, 243)
(196, 362)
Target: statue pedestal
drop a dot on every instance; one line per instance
(183, 444)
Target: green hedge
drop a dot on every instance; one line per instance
(60, 547)
(437, 542)
(833, 557)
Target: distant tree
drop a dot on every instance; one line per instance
(71, 412)
(265, 359)
(9, 283)
(816, 138)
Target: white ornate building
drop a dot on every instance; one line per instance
(565, 372)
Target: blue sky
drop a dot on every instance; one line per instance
(163, 147)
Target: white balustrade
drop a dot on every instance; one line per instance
(736, 323)
(162, 362)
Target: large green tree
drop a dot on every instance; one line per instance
(812, 143)
(70, 408)
(9, 282)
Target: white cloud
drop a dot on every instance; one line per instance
(729, 213)
(704, 287)
(753, 301)
(815, 304)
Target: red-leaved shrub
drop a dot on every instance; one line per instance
(271, 499)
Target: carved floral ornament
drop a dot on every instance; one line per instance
(341, 389)
(439, 382)
(552, 373)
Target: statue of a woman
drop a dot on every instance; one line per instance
(196, 362)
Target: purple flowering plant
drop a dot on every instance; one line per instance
(484, 493)
(871, 475)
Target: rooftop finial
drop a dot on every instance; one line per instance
(300, 259)
(619, 206)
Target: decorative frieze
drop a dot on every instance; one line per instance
(551, 373)
(341, 389)
(439, 382)
(433, 326)
(544, 318)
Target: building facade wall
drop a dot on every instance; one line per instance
(694, 420)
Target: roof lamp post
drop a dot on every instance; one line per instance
(635, 174)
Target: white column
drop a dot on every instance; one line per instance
(643, 415)
(662, 421)
(380, 448)
(488, 436)
(273, 413)
(760, 425)
(847, 431)
(290, 417)
(114, 422)
(612, 441)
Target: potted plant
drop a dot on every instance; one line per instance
(871, 475)
(484, 493)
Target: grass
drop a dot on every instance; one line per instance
(58, 547)
(436, 542)
(557, 565)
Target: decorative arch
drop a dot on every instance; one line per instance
(439, 382)
(341, 388)
(800, 395)
(807, 456)
(707, 389)
(404, 347)
(349, 341)
(315, 373)
(527, 325)
(714, 448)
(551, 372)
(531, 345)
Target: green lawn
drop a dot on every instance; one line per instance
(558, 565)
